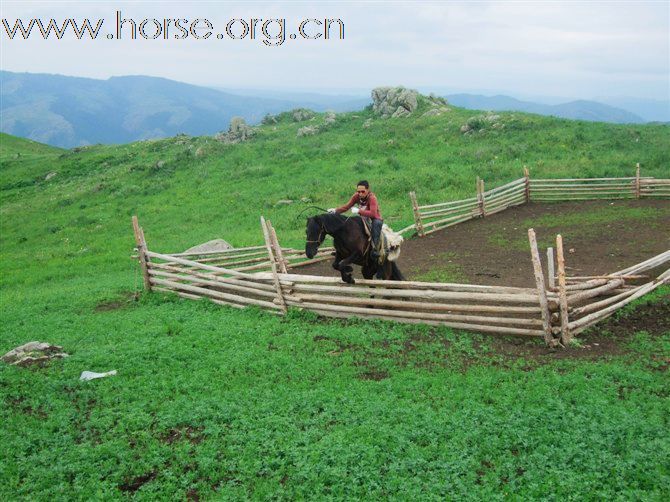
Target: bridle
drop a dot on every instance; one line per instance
(321, 237)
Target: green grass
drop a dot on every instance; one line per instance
(240, 404)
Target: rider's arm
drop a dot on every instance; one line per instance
(371, 211)
(348, 205)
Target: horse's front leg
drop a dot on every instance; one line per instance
(346, 269)
(336, 261)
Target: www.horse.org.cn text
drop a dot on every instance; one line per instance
(271, 32)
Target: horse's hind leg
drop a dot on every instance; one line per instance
(384, 272)
(368, 271)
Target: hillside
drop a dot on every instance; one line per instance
(213, 185)
(213, 402)
(71, 111)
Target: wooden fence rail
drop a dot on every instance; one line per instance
(429, 218)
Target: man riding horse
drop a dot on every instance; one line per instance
(351, 241)
(367, 207)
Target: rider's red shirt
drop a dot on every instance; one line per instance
(368, 206)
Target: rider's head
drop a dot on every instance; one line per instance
(363, 188)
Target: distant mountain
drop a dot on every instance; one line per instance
(651, 110)
(71, 111)
(578, 110)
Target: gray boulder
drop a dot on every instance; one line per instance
(394, 101)
(238, 131)
(209, 246)
(302, 114)
(33, 353)
(307, 131)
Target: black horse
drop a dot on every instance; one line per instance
(351, 247)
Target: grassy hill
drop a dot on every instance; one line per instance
(227, 404)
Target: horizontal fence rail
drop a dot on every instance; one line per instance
(262, 276)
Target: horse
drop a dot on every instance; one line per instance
(351, 247)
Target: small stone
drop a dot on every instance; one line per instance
(50, 175)
(307, 131)
(283, 202)
(33, 352)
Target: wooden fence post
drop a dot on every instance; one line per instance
(562, 293)
(541, 290)
(480, 197)
(278, 252)
(417, 214)
(637, 180)
(526, 175)
(551, 272)
(142, 252)
(273, 265)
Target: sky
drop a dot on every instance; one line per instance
(542, 48)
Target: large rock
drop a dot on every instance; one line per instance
(394, 101)
(237, 131)
(480, 123)
(302, 114)
(214, 245)
(33, 353)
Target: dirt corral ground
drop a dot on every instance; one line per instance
(599, 237)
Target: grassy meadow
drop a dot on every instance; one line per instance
(215, 403)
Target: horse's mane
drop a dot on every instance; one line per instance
(332, 222)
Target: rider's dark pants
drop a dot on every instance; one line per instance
(376, 231)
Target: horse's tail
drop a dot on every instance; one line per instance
(396, 274)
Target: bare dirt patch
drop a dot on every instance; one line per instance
(189, 433)
(494, 250)
(126, 299)
(134, 484)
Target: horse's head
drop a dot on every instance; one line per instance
(316, 233)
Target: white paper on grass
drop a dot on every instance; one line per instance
(90, 375)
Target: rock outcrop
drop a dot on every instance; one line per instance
(480, 123)
(394, 101)
(238, 131)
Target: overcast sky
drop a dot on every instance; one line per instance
(565, 49)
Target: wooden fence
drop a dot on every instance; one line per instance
(261, 276)
(433, 217)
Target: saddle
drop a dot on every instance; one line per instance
(388, 247)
